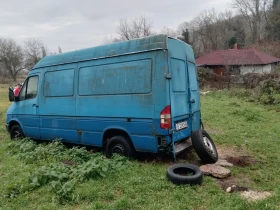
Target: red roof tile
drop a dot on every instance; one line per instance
(236, 57)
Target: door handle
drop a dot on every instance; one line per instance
(192, 101)
(35, 105)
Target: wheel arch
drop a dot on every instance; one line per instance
(111, 132)
(14, 122)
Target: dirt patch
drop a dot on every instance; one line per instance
(233, 183)
(238, 156)
(241, 161)
(255, 196)
(190, 156)
(231, 151)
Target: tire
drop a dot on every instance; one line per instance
(16, 132)
(204, 146)
(119, 145)
(177, 174)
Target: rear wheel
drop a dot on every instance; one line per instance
(204, 146)
(119, 145)
(16, 132)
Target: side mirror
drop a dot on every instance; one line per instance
(11, 94)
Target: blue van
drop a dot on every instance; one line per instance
(139, 95)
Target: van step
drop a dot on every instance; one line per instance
(183, 146)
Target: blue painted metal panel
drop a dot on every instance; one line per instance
(196, 121)
(30, 125)
(93, 129)
(92, 138)
(145, 143)
(179, 75)
(135, 126)
(194, 87)
(110, 50)
(179, 93)
(117, 78)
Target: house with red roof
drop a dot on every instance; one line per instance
(238, 61)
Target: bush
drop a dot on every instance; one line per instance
(207, 79)
(270, 86)
(267, 92)
(270, 92)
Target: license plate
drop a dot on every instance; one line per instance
(181, 125)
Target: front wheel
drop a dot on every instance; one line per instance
(204, 146)
(119, 145)
(16, 132)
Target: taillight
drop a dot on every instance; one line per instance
(165, 118)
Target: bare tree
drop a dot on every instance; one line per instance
(209, 31)
(254, 13)
(169, 32)
(135, 28)
(110, 39)
(11, 57)
(34, 51)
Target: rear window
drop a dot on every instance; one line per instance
(120, 78)
(178, 75)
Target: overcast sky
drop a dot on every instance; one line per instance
(76, 24)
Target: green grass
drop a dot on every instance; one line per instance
(234, 124)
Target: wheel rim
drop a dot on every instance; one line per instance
(208, 144)
(17, 134)
(119, 149)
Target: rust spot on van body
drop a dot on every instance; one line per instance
(79, 132)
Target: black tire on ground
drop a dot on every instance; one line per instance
(184, 174)
(119, 145)
(204, 146)
(16, 132)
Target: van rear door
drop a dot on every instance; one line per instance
(194, 96)
(179, 95)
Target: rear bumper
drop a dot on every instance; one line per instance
(183, 145)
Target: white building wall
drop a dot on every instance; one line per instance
(256, 69)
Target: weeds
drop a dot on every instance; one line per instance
(60, 168)
(30, 152)
(249, 114)
(266, 93)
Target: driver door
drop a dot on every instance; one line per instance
(28, 107)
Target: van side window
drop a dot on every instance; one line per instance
(29, 89)
(116, 79)
(59, 83)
